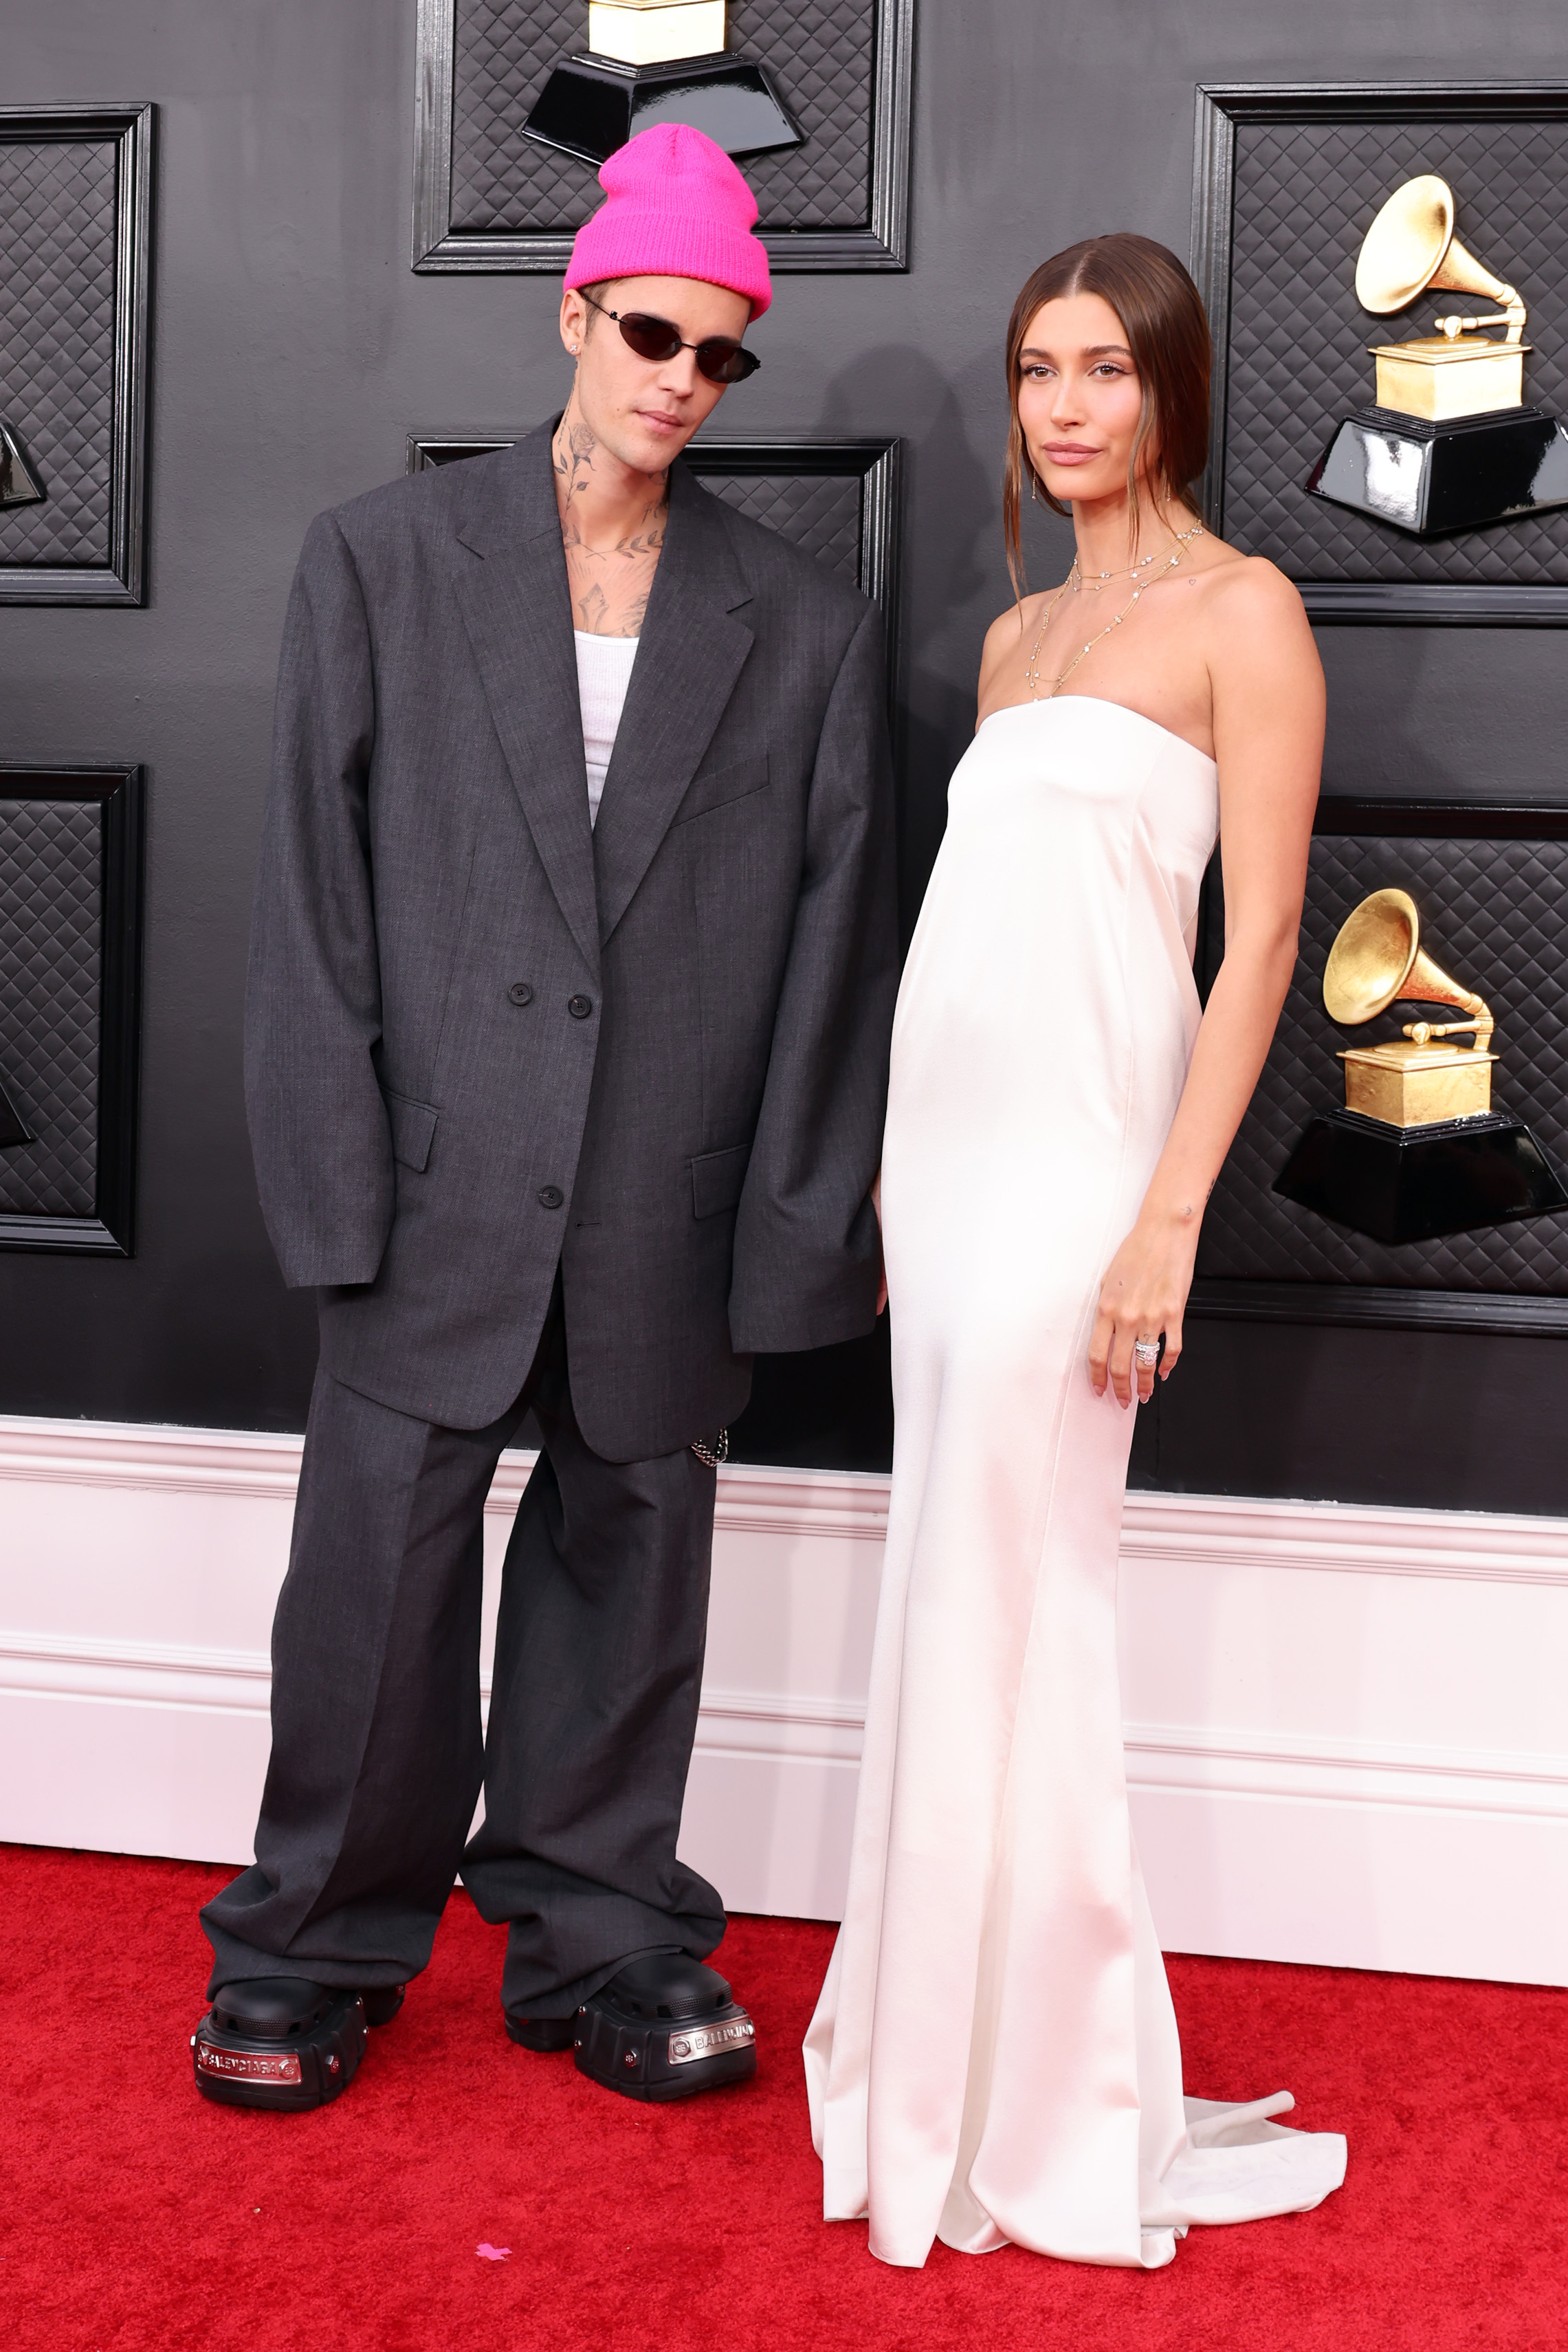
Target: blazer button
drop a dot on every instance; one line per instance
(550, 1196)
(579, 1007)
(520, 993)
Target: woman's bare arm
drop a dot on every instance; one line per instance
(1268, 689)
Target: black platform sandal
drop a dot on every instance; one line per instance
(284, 2042)
(665, 2027)
(543, 2033)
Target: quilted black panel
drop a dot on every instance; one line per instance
(1492, 915)
(56, 341)
(1305, 194)
(820, 52)
(50, 928)
(821, 512)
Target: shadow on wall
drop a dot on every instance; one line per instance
(835, 1404)
(946, 580)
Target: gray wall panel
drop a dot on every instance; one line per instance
(56, 202)
(50, 860)
(294, 349)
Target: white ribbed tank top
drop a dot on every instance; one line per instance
(604, 674)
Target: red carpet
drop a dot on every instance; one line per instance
(133, 2214)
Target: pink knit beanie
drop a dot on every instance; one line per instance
(676, 207)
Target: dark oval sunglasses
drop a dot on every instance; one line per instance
(718, 359)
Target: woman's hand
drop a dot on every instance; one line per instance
(1143, 1293)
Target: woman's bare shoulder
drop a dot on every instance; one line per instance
(1002, 638)
(1257, 641)
(1250, 586)
(1014, 627)
(1010, 625)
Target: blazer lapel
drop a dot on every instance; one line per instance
(511, 586)
(692, 650)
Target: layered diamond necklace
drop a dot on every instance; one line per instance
(1074, 582)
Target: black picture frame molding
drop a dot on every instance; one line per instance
(123, 579)
(881, 244)
(111, 1230)
(1220, 108)
(878, 463)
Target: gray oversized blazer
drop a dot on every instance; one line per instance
(484, 1039)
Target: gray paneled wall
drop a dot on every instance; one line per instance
(293, 351)
(51, 857)
(57, 376)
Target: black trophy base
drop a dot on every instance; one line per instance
(1415, 1183)
(1432, 479)
(19, 486)
(591, 105)
(13, 1127)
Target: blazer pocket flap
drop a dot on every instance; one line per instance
(412, 1130)
(718, 787)
(717, 1180)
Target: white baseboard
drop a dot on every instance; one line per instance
(1346, 1738)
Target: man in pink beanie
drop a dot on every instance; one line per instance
(674, 239)
(571, 983)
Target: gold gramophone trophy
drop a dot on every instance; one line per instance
(1450, 444)
(1418, 1150)
(651, 61)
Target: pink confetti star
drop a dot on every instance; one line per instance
(489, 2254)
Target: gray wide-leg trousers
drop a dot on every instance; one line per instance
(378, 1755)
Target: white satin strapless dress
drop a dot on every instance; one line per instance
(994, 2057)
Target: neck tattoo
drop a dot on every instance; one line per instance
(609, 585)
(573, 454)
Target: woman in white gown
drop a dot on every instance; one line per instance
(994, 2057)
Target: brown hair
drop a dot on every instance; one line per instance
(1163, 319)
